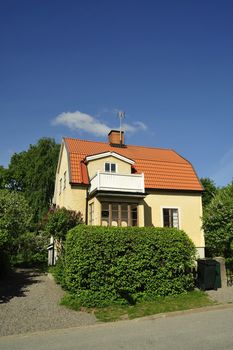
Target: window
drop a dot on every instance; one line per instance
(119, 214)
(91, 214)
(105, 214)
(110, 167)
(170, 217)
(60, 186)
(64, 185)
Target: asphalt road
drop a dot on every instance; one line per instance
(194, 330)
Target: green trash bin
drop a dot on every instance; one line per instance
(218, 283)
(208, 274)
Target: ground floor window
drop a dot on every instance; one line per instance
(170, 217)
(119, 214)
(91, 214)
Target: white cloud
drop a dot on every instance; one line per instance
(224, 174)
(82, 121)
(85, 122)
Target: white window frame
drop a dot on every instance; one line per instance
(179, 215)
(110, 163)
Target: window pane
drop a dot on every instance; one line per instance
(105, 214)
(113, 168)
(105, 206)
(124, 207)
(134, 214)
(170, 218)
(175, 218)
(166, 221)
(115, 207)
(107, 166)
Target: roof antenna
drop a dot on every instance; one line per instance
(121, 116)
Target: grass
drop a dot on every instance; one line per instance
(191, 300)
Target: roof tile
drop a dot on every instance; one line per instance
(162, 168)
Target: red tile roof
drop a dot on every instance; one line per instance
(162, 168)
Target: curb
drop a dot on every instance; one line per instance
(184, 312)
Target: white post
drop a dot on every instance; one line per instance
(143, 183)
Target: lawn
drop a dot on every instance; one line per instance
(191, 300)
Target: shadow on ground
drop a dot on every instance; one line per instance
(15, 285)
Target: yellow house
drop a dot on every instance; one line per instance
(123, 185)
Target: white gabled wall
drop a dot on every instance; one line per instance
(98, 165)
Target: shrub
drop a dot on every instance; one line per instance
(104, 265)
(31, 250)
(60, 220)
(218, 223)
(58, 271)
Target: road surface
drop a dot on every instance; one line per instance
(207, 330)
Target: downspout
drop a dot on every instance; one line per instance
(86, 219)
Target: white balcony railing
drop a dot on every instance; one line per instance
(117, 182)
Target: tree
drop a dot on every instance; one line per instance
(33, 173)
(210, 191)
(218, 223)
(15, 219)
(60, 220)
(3, 177)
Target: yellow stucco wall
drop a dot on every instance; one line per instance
(98, 164)
(72, 197)
(150, 209)
(189, 206)
(97, 211)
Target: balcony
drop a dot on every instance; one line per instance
(117, 182)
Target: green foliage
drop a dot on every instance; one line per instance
(15, 218)
(33, 173)
(210, 191)
(3, 177)
(218, 223)
(105, 265)
(58, 271)
(31, 249)
(60, 220)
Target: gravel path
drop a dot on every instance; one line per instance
(29, 302)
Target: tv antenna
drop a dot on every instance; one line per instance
(121, 116)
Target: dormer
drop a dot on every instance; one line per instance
(108, 162)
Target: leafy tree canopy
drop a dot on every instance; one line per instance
(15, 217)
(3, 177)
(60, 220)
(218, 223)
(33, 173)
(210, 190)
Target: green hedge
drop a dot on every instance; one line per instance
(104, 265)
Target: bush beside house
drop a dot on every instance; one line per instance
(105, 265)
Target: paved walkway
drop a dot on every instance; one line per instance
(222, 295)
(29, 302)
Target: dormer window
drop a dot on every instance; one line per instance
(110, 167)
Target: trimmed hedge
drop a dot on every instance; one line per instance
(104, 265)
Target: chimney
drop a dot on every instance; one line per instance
(116, 138)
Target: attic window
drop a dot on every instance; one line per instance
(110, 167)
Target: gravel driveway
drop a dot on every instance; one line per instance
(29, 302)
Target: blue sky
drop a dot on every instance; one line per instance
(67, 67)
